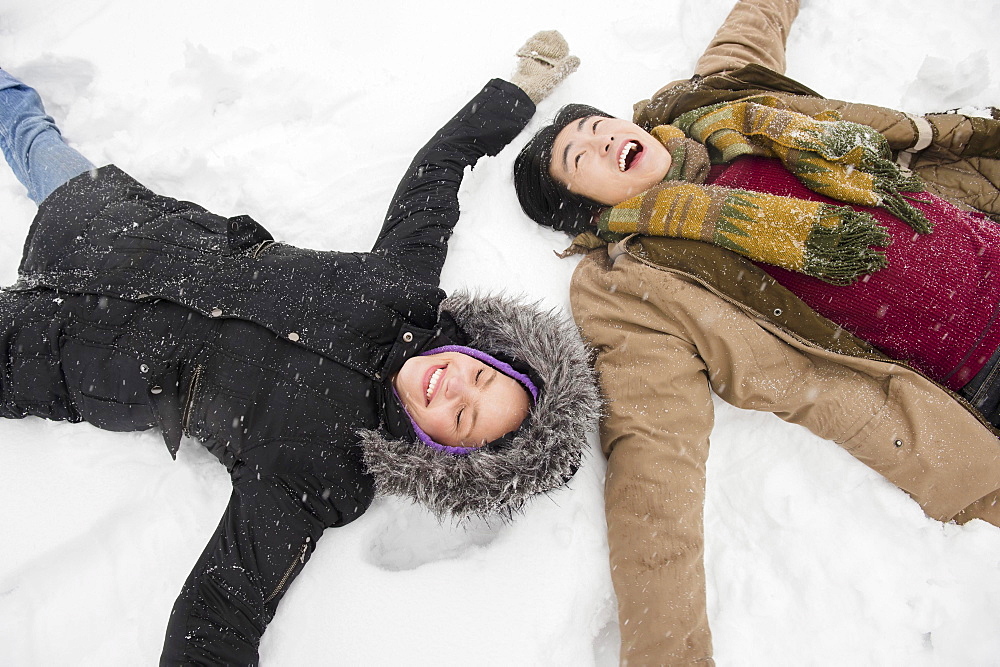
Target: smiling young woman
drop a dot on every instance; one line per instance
(460, 401)
(381, 385)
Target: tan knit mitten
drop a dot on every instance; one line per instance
(543, 62)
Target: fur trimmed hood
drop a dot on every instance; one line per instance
(543, 453)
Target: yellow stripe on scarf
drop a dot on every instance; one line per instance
(761, 226)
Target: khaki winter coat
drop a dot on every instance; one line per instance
(674, 320)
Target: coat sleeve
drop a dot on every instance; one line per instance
(424, 209)
(656, 435)
(755, 32)
(267, 534)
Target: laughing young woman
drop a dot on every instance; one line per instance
(317, 378)
(738, 241)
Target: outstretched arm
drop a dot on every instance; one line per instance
(655, 433)
(754, 32)
(266, 535)
(424, 209)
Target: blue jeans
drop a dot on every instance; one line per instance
(983, 391)
(31, 142)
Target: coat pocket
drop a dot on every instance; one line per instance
(108, 389)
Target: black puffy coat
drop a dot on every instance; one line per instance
(272, 355)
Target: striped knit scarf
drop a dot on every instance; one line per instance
(841, 160)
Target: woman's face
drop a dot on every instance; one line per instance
(607, 159)
(459, 401)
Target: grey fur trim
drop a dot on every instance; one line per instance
(546, 450)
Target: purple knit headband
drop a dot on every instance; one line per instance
(487, 359)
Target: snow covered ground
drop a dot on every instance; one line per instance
(304, 114)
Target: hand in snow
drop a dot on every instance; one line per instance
(543, 61)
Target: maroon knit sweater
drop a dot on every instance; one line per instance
(937, 304)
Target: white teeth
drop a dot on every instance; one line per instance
(435, 376)
(625, 149)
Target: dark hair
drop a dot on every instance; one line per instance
(545, 200)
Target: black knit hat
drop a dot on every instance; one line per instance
(546, 201)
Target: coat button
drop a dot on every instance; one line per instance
(898, 443)
(143, 368)
(293, 336)
(407, 337)
(156, 390)
(216, 312)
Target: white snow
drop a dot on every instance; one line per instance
(304, 115)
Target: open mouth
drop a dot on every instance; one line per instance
(432, 383)
(630, 151)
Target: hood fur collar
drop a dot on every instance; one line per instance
(545, 451)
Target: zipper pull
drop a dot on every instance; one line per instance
(302, 553)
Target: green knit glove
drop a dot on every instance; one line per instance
(543, 62)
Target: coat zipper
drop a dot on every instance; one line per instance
(300, 557)
(259, 249)
(745, 307)
(189, 403)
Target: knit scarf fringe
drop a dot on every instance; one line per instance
(890, 186)
(844, 161)
(838, 253)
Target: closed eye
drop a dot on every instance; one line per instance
(594, 126)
